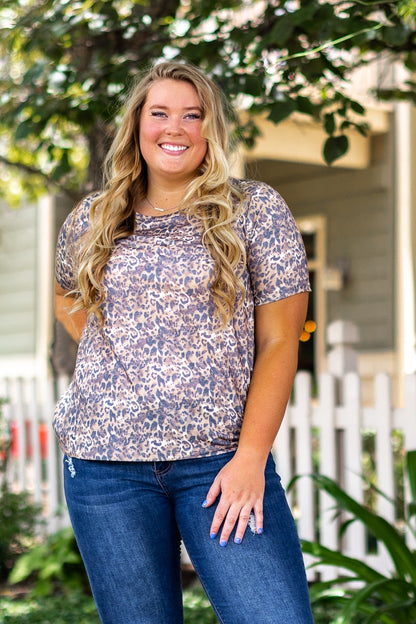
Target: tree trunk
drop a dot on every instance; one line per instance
(99, 141)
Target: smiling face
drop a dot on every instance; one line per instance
(170, 132)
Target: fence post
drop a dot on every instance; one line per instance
(51, 462)
(328, 467)
(304, 465)
(342, 360)
(384, 457)
(410, 440)
(342, 357)
(351, 478)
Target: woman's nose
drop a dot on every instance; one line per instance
(174, 125)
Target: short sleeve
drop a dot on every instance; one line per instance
(68, 243)
(276, 258)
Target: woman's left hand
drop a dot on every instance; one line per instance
(240, 485)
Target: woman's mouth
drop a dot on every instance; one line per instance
(173, 149)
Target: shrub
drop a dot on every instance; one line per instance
(53, 565)
(79, 608)
(60, 609)
(19, 519)
(367, 596)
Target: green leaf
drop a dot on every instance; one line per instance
(389, 590)
(357, 107)
(403, 558)
(282, 31)
(411, 473)
(34, 73)
(281, 110)
(23, 130)
(306, 106)
(329, 123)
(326, 556)
(402, 610)
(362, 129)
(396, 35)
(63, 168)
(410, 60)
(335, 147)
(305, 13)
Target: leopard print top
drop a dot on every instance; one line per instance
(158, 381)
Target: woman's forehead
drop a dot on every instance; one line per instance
(170, 92)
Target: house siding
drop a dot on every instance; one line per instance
(18, 280)
(359, 209)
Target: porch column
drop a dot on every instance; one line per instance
(405, 137)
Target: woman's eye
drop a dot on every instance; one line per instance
(163, 115)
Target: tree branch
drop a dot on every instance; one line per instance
(327, 44)
(73, 195)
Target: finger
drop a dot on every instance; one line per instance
(218, 519)
(213, 493)
(229, 523)
(258, 515)
(242, 524)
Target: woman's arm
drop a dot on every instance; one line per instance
(240, 483)
(74, 322)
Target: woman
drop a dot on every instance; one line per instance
(190, 292)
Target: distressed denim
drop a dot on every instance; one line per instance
(129, 518)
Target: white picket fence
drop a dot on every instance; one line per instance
(33, 460)
(327, 435)
(321, 433)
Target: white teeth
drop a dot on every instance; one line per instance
(173, 148)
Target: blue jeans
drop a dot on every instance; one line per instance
(129, 518)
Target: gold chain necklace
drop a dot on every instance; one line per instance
(157, 207)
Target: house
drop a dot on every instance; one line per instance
(358, 222)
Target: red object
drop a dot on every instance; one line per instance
(43, 439)
(14, 449)
(28, 433)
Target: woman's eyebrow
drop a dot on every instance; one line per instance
(164, 107)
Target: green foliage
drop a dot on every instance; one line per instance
(5, 438)
(60, 609)
(197, 608)
(55, 563)
(67, 65)
(335, 147)
(78, 607)
(18, 521)
(370, 596)
(56, 567)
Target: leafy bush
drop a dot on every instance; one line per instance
(19, 519)
(59, 609)
(367, 596)
(197, 608)
(79, 608)
(54, 564)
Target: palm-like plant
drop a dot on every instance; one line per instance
(364, 595)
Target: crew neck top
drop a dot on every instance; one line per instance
(159, 380)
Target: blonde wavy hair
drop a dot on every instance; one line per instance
(211, 196)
